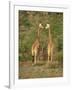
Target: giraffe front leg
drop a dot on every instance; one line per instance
(51, 58)
(48, 55)
(48, 59)
(35, 59)
(51, 55)
(32, 59)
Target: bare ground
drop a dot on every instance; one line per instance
(40, 70)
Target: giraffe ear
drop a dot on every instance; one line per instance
(47, 26)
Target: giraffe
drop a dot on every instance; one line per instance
(36, 45)
(50, 44)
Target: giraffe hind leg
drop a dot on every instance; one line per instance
(32, 59)
(35, 59)
(49, 58)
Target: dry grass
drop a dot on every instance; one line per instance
(40, 70)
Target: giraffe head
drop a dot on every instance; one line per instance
(47, 26)
(41, 26)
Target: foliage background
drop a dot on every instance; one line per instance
(28, 25)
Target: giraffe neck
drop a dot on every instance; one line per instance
(38, 34)
(49, 35)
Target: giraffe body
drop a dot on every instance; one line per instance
(50, 44)
(36, 45)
